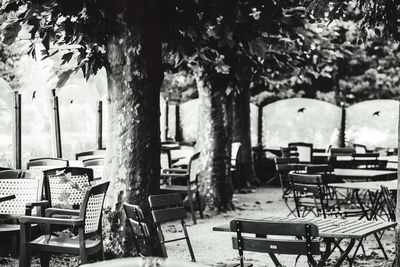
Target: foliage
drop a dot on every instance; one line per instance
(8, 58)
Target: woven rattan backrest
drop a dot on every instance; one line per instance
(65, 187)
(194, 167)
(92, 207)
(25, 191)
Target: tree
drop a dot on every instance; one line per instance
(124, 37)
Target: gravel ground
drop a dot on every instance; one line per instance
(215, 248)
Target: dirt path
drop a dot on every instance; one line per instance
(215, 248)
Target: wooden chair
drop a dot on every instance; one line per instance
(305, 151)
(138, 226)
(166, 208)
(100, 153)
(191, 189)
(65, 187)
(267, 239)
(88, 224)
(97, 165)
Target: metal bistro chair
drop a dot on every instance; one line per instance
(283, 166)
(305, 151)
(191, 189)
(166, 208)
(97, 165)
(267, 239)
(139, 228)
(65, 187)
(88, 223)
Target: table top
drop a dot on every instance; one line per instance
(144, 262)
(373, 186)
(331, 228)
(6, 198)
(365, 174)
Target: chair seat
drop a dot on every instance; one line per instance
(60, 243)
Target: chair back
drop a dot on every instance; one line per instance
(389, 202)
(235, 153)
(65, 187)
(289, 152)
(25, 190)
(13, 174)
(168, 207)
(283, 166)
(97, 165)
(165, 158)
(100, 153)
(194, 167)
(319, 168)
(360, 149)
(305, 151)
(41, 164)
(92, 208)
(136, 221)
(267, 238)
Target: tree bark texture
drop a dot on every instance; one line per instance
(133, 145)
(241, 133)
(214, 143)
(397, 228)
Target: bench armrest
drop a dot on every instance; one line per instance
(55, 211)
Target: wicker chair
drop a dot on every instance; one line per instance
(27, 200)
(39, 165)
(88, 224)
(14, 174)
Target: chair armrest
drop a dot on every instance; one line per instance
(30, 205)
(174, 170)
(55, 211)
(46, 220)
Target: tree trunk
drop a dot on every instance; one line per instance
(241, 133)
(133, 145)
(214, 143)
(397, 228)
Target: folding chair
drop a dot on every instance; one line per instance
(305, 151)
(139, 228)
(166, 208)
(268, 239)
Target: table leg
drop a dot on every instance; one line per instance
(346, 253)
(328, 251)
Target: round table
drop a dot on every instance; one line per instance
(144, 262)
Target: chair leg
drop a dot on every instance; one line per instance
(24, 257)
(44, 259)
(101, 253)
(188, 241)
(191, 205)
(199, 204)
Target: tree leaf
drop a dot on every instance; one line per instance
(63, 78)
